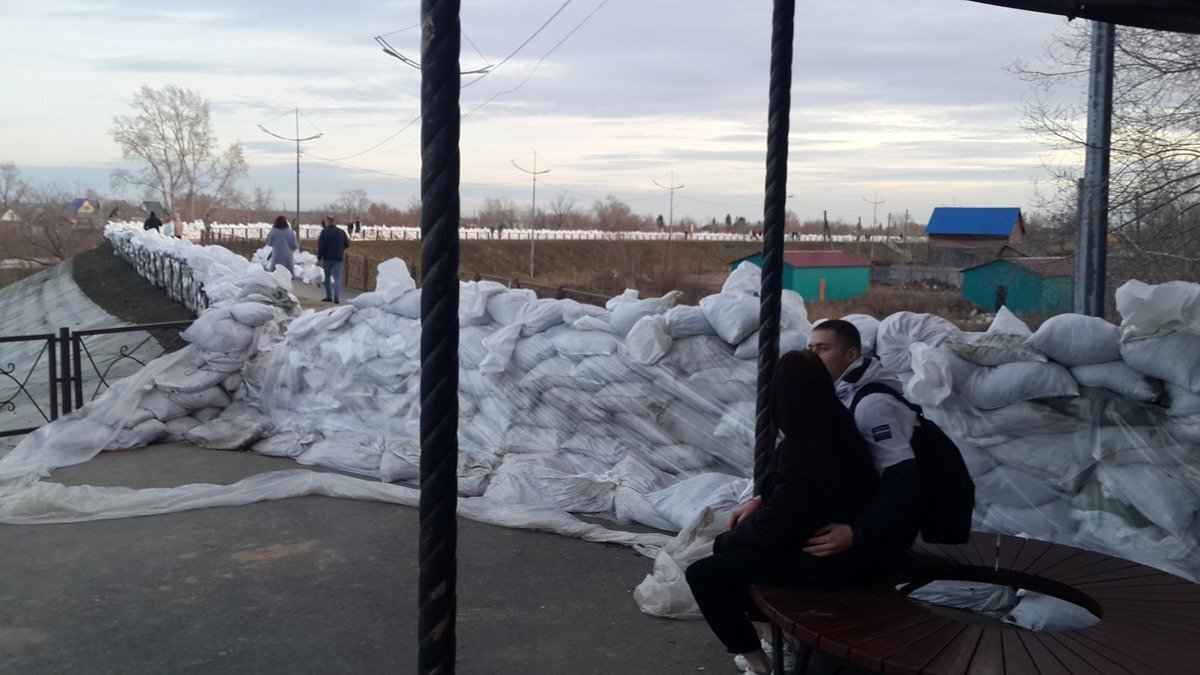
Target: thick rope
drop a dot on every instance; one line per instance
(436, 586)
(775, 206)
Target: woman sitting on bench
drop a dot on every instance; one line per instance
(820, 472)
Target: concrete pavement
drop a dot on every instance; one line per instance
(312, 584)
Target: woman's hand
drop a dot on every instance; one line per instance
(742, 512)
(830, 540)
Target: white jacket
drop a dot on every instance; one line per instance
(882, 419)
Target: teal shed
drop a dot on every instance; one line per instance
(820, 275)
(1034, 285)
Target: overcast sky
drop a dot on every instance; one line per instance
(910, 101)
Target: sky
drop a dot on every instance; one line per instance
(907, 104)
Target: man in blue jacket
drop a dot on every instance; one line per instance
(331, 250)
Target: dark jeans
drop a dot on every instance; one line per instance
(721, 585)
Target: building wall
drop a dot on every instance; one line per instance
(1024, 291)
(841, 283)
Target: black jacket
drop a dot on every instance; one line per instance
(810, 484)
(332, 243)
(152, 223)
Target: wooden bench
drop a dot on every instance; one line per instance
(1149, 619)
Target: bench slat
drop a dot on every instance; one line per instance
(1070, 660)
(1016, 655)
(872, 651)
(1128, 655)
(956, 657)
(989, 652)
(1079, 561)
(1148, 641)
(1047, 662)
(1029, 554)
(915, 657)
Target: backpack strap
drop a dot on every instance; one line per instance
(881, 388)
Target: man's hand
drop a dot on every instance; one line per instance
(742, 512)
(832, 539)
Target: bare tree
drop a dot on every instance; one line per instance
(351, 204)
(263, 201)
(614, 214)
(171, 134)
(12, 186)
(561, 208)
(46, 235)
(1154, 187)
(496, 212)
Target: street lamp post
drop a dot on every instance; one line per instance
(533, 207)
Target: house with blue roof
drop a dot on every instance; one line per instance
(961, 237)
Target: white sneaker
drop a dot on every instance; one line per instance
(789, 657)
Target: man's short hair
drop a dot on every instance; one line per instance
(847, 332)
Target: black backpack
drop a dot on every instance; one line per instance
(947, 495)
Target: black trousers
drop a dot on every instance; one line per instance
(721, 585)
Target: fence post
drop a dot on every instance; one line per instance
(77, 369)
(53, 362)
(64, 379)
(366, 274)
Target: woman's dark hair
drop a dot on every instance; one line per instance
(280, 221)
(803, 397)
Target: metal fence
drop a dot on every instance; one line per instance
(69, 369)
(167, 272)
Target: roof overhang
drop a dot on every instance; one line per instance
(1174, 15)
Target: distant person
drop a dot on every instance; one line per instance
(153, 223)
(283, 245)
(331, 249)
(178, 224)
(169, 225)
(357, 226)
(500, 231)
(819, 472)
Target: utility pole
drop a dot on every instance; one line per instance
(825, 232)
(296, 140)
(533, 207)
(671, 211)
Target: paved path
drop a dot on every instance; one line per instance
(312, 584)
(310, 296)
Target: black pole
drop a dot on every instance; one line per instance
(1091, 255)
(775, 206)
(440, 43)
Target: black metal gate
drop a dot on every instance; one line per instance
(67, 362)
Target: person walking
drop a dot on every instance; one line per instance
(283, 245)
(331, 249)
(153, 223)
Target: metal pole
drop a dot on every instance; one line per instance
(775, 207)
(64, 346)
(440, 166)
(297, 225)
(533, 206)
(1092, 250)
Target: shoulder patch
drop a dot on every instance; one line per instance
(882, 432)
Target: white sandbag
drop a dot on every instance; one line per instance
(526, 439)
(345, 453)
(1077, 340)
(545, 480)
(1009, 486)
(499, 348)
(737, 425)
(206, 414)
(1007, 322)
(539, 316)
(1172, 306)
(232, 383)
(370, 300)
(682, 502)
(284, 443)
(1036, 611)
(900, 330)
(688, 355)
(734, 316)
(973, 596)
(608, 369)
(531, 351)
(644, 430)
(994, 349)
(160, 406)
(573, 403)
(996, 387)
(726, 383)
(1180, 401)
(592, 323)
(630, 397)
(574, 311)
(1118, 377)
(932, 381)
(407, 305)
(868, 327)
(557, 371)
(182, 377)
(401, 460)
(393, 278)
(686, 321)
(207, 398)
(473, 299)
(745, 279)
(178, 427)
(647, 341)
(792, 313)
(471, 350)
(139, 435)
(576, 344)
(604, 448)
(217, 331)
(1064, 461)
(628, 295)
(678, 458)
(1037, 522)
(504, 307)
(1171, 357)
(627, 314)
(253, 314)
(1152, 490)
(228, 434)
(790, 340)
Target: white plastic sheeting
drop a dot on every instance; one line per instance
(561, 412)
